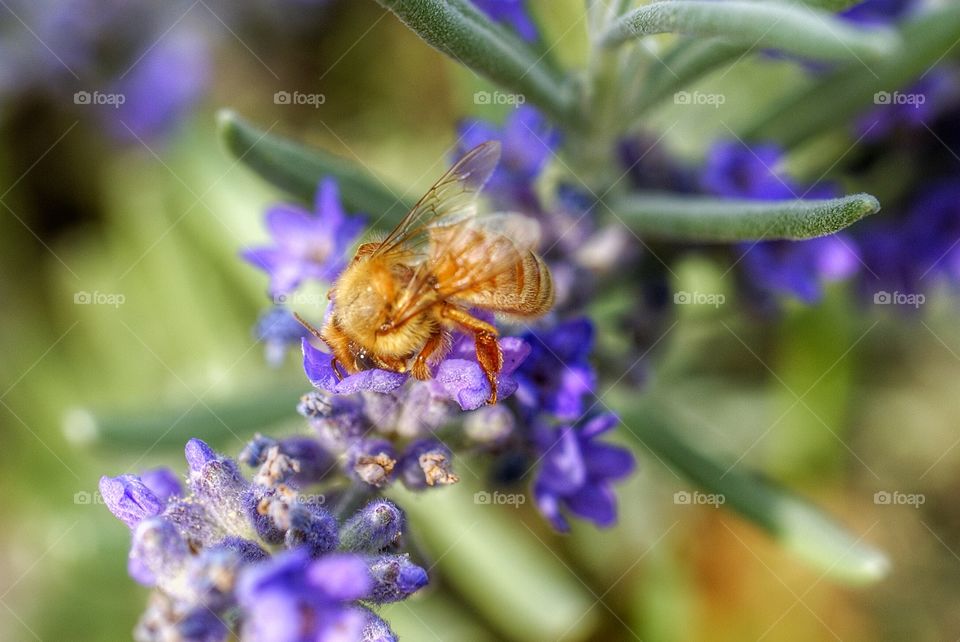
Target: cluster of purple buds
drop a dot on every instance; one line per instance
(261, 559)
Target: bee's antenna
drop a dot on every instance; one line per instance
(308, 326)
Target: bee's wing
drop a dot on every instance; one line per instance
(453, 198)
(470, 255)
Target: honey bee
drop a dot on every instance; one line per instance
(397, 303)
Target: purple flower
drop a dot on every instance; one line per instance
(512, 13)
(395, 578)
(736, 171)
(910, 108)
(426, 463)
(458, 376)
(557, 374)
(280, 331)
(576, 472)
(799, 268)
(162, 482)
(306, 246)
(206, 552)
(160, 88)
(877, 12)
(291, 598)
(527, 143)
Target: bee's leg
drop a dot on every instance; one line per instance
(421, 369)
(489, 355)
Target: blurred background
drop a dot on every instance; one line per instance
(127, 328)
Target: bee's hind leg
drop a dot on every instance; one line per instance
(489, 355)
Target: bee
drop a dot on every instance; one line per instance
(396, 305)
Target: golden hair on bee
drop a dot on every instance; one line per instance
(397, 303)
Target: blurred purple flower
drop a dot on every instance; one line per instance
(291, 598)
(160, 88)
(734, 170)
(510, 12)
(306, 245)
(557, 374)
(797, 268)
(909, 108)
(878, 12)
(800, 268)
(577, 470)
(528, 142)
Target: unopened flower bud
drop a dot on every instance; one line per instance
(373, 527)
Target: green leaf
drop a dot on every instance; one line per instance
(297, 169)
(705, 219)
(838, 97)
(798, 526)
(792, 28)
(684, 64)
(218, 420)
(458, 29)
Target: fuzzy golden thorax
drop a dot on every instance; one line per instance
(365, 299)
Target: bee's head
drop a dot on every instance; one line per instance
(365, 301)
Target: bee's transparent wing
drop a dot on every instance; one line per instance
(452, 198)
(479, 254)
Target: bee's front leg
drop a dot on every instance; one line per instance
(437, 343)
(489, 355)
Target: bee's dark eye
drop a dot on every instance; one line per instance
(363, 361)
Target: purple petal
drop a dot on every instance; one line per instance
(599, 425)
(319, 369)
(162, 482)
(464, 381)
(595, 502)
(129, 499)
(292, 228)
(605, 461)
(341, 577)
(327, 203)
(515, 350)
(563, 470)
(549, 506)
(264, 257)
